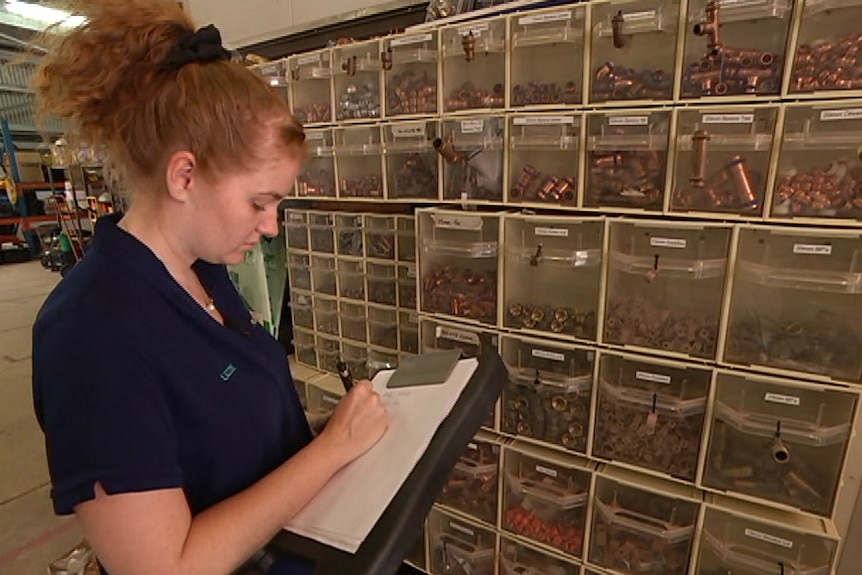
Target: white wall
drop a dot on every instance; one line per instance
(244, 22)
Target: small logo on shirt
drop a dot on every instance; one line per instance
(228, 372)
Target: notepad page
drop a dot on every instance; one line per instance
(345, 511)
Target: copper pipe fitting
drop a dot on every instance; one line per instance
(468, 43)
(448, 152)
(349, 66)
(386, 59)
(710, 27)
(617, 24)
(746, 195)
(699, 140)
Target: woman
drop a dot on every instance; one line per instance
(172, 427)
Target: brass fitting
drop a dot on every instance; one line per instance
(617, 24)
(468, 43)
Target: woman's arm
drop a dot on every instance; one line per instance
(153, 533)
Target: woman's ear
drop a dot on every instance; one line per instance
(179, 175)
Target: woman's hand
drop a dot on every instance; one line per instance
(358, 422)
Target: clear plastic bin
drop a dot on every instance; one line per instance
(321, 401)
(548, 393)
(381, 360)
(519, 559)
(796, 302)
(819, 169)
(348, 228)
(474, 65)
(275, 74)
(828, 42)
(354, 319)
(382, 283)
(299, 271)
(311, 86)
(323, 275)
(412, 164)
(410, 64)
(779, 441)
(303, 378)
(351, 279)
(738, 542)
(665, 287)
(638, 530)
(357, 79)
(328, 353)
(321, 228)
(383, 327)
(472, 484)
(547, 54)
(633, 52)
(544, 157)
(459, 544)
(407, 286)
(303, 342)
(545, 500)
(296, 229)
(417, 556)
(438, 336)
(408, 332)
(627, 157)
(553, 269)
(735, 48)
(326, 316)
(317, 179)
(302, 308)
(651, 413)
(359, 156)
(472, 152)
(723, 157)
(406, 238)
(380, 237)
(458, 268)
(355, 356)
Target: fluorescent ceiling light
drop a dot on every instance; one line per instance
(43, 14)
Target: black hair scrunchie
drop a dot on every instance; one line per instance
(201, 46)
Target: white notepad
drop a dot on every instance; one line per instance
(347, 508)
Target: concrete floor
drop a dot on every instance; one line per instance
(31, 536)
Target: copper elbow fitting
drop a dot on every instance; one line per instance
(617, 25)
(448, 151)
(468, 43)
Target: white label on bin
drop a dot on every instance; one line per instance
(851, 114)
(407, 40)
(653, 377)
(457, 335)
(769, 538)
(812, 249)
(472, 126)
(541, 18)
(542, 354)
(546, 471)
(727, 118)
(544, 120)
(628, 120)
(472, 447)
(667, 243)
(784, 399)
(409, 130)
(411, 272)
(314, 135)
(728, 3)
(458, 222)
(462, 529)
(552, 232)
(645, 15)
(331, 400)
(477, 29)
(271, 70)
(312, 59)
(295, 217)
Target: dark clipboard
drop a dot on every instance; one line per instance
(394, 535)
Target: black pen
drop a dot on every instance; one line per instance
(344, 374)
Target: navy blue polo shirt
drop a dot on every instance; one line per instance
(139, 388)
